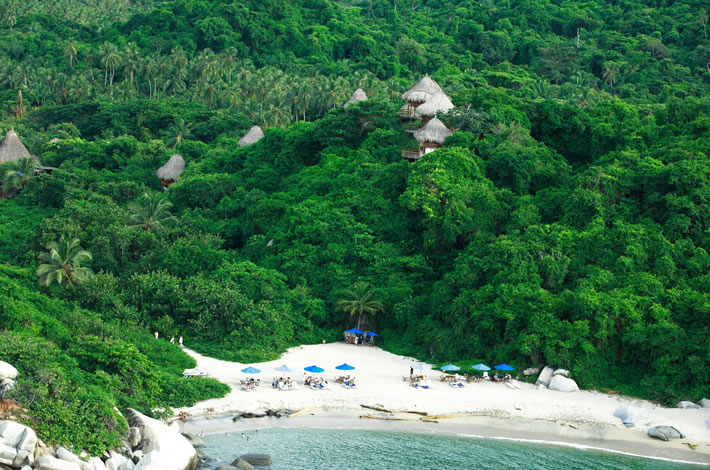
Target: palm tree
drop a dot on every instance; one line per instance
(611, 75)
(70, 51)
(18, 175)
(152, 213)
(360, 301)
(63, 263)
(110, 59)
(178, 132)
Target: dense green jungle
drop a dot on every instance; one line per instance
(565, 222)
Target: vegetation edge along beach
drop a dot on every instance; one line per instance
(522, 182)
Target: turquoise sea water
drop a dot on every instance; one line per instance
(296, 449)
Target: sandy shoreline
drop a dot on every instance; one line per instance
(580, 418)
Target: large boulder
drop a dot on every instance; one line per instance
(242, 464)
(561, 383)
(64, 454)
(227, 467)
(665, 433)
(687, 405)
(630, 416)
(531, 371)
(564, 372)
(17, 444)
(545, 377)
(164, 447)
(47, 462)
(194, 440)
(705, 403)
(254, 459)
(97, 463)
(7, 371)
(134, 437)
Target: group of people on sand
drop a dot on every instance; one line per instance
(314, 382)
(282, 384)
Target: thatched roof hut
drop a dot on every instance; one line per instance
(12, 149)
(170, 172)
(438, 102)
(254, 135)
(422, 91)
(359, 95)
(434, 132)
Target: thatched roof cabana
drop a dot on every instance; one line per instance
(434, 132)
(359, 95)
(12, 149)
(438, 102)
(170, 172)
(422, 91)
(254, 135)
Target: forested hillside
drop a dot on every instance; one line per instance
(565, 222)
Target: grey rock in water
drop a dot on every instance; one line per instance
(243, 465)
(665, 433)
(545, 376)
(531, 371)
(17, 444)
(47, 462)
(254, 459)
(227, 467)
(194, 440)
(688, 405)
(705, 403)
(561, 383)
(564, 372)
(7, 371)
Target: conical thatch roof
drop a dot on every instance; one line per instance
(253, 136)
(359, 95)
(11, 149)
(434, 131)
(171, 170)
(422, 91)
(438, 102)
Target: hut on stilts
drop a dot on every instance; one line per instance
(437, 103)
(12, 149)
(430, 137)
(418, 94)
(359, 95)
(254, 135)
(170, 172)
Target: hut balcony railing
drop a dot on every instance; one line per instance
(411, 154)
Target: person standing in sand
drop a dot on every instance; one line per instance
(180, 341)
(156, 335)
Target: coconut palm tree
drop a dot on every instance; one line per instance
(70, 50)
(359, 301)
(178, 132)
(20, 173)
(63, 263)
(151, 213)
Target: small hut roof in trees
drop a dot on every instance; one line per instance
(12, 149)
(171, 170)
(359, 95)
(438, 102)
(422, 91)
(434, 131)
(253, 136)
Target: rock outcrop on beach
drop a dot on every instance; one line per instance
(560, 383)
(531, 371)
(630, 416)
(254, 459)
(705, 403)
(47, 462)
(164, 448)
(17, 444)
(665, 433)
(687, 405)
(545, 376)
(563, 372)
(7, 371)
(194, 440)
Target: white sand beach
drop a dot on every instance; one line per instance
(487, 408)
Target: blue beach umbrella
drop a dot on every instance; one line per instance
(345, 366)
(371, 333)
(481, 367)
(354, 330)
(251, 370)
(284, 368)
(450, 367)
(314, 369)
(504, 366)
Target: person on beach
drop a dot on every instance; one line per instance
(156, 335)
(172, 340)
(411, 371)
(180, 341)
